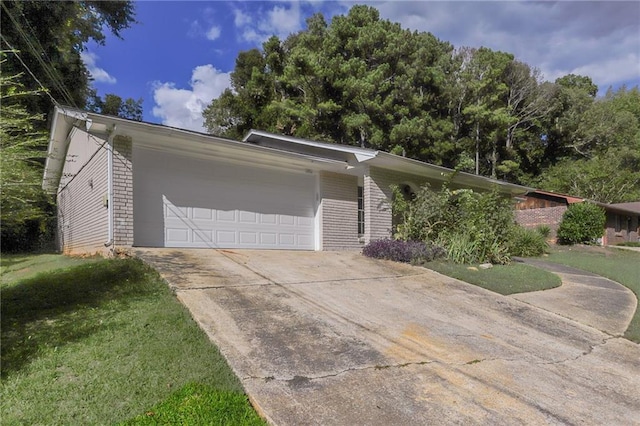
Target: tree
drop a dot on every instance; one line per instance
(49, 37)
(359, 80)
(25, 213)
(114, 105)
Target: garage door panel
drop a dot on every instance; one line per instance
(215, 205)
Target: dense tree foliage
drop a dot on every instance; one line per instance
(364, 81)
(112, 104)
(41, 65)
(48, 36)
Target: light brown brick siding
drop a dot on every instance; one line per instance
(83, 221)
(339, 212)
(377, 198)
(550, 216)
(122, 192)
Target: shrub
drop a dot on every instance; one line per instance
(581, 223)
(527, 242)
(544, 230)
(473, 227)
(414, 252)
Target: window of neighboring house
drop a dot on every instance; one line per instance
(629, 224)
(360, 211)
(618, 223)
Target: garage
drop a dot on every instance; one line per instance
(187, 201)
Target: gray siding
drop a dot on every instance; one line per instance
(377, 198)
(82, 216)
(339, 212)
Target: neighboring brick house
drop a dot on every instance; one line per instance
(546, 208)
(122, 183)
(623, 223)
(543, 208)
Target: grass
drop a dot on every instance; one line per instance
(503, 279)
(91, 341)
(619, 265)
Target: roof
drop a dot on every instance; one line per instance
(632, 206)
(568, 198)
(356, 156)
(257, 146)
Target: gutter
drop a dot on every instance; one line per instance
(109, 195)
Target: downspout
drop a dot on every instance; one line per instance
(109, 201)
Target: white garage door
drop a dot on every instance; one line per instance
(186, 202)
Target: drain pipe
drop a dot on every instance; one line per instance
(108, 200)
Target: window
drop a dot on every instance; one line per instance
(618, 223)
(360, 211)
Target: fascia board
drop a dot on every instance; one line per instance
(61, 127)
(408, 165)
(254, 135)
(207, 146)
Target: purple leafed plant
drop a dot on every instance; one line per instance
(414, 252)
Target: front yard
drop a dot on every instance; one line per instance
(94, 341)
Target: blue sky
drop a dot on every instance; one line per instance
(179, 56)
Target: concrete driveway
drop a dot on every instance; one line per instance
(337, 339)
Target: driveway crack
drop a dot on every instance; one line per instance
(298, 379)
(583, 354)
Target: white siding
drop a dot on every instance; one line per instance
(82, 215)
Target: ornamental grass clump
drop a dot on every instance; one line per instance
(414, 252)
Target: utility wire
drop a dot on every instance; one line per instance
(48, 69)
(15, 52)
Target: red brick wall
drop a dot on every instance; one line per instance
(551, 216)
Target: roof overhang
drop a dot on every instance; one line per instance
(168, 139)
(356, 156)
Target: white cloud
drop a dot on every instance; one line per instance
(279, 20)
(241, 19)
(98, 74)
(183, 108)
(595, 38)
(213, 33)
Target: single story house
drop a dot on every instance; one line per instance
(122, 183)
(547, 208)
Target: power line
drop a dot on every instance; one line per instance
(15, 52)
(48, 69)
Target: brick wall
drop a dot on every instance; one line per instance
(122, 202)
(551, 216)
(339, 212)
(628, 230)
(377, 198)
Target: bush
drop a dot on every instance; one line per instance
(527, 242)
(414, 252)
(473, 227)
(581, 223)
(544, 230)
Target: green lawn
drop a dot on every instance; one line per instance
(503, 279)
(618, 265)
(91, 341)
